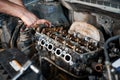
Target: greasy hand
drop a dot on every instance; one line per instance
(30, 20)
(41, 21)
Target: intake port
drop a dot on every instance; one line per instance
(43, 42)
(67, 58)
(58, 52)
(50, 47)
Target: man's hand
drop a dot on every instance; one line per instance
(30, 20)
(17, 9)
(42, 21)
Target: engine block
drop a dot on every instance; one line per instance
(68, 51)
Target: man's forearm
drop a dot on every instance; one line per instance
(10, 8)
(19, 2)
(15, 9)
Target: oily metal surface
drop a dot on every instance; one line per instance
(85, 29)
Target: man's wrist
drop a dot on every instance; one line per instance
(22, 13)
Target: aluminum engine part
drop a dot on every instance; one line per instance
(66, 49)
(85, 29)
